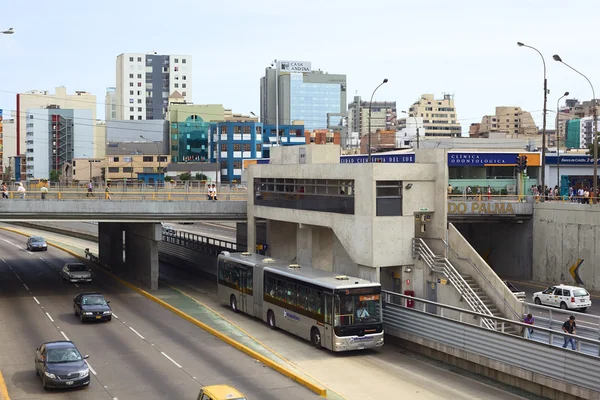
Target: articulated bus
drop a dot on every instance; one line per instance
(337, 312)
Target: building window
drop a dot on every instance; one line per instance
(113, 170)
(139, 76)
(130, 76)
(131, 109)
(237, 130)
(184, 94)
(139, 117)
(148, 159)
(246, 130)
(131, 92)
(131, 84)
(224, 147)
(131, 117)
(258, 130)
(162, 159)
(388, 198)
(183, 77)
(139, 101)
(237, 165)
(246, 146)
(223, 130)
(130, 59)
(176, 60)
(139, 59)
(176, 85)
(176, 69)
(183, 85)
(258, 148)
(139, 92)
(183, 60)
(237, 147)
(139, 109)
(139, 84)
(128, 169)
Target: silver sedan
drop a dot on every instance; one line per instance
(76, 272)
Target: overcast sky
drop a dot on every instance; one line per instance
(464, 47)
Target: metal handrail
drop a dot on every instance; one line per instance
(387, 296)
(501, 296)
(125, 195)
(463, 288)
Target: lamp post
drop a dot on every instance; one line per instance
(276, 65)
(416, 124)
(595, 128)
(370, 104)
(543, 197)
(558, 143)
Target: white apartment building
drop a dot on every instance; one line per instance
(439, 116)
(145, 82)
(110, 104)
(55, 137)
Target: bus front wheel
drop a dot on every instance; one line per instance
(233, 303)
(271, 320)
(315, 337)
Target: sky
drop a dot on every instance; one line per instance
(462, 47)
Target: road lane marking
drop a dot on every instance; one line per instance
(170, 359)
(3, 389)
(137, 333)
(18, 277)
(115, 315)
(65, 336)
(49, 317)
(25, 286)
(36, 300)
(76, 284)
(29, 252)
(90, 367)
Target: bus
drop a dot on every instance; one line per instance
(337, 312)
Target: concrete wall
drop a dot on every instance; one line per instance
(507, 247)
(563, 233)
(460, 252)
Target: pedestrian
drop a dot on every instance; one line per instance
(489, 192)
(21, 190)
(469, 192)
(90, 190)
(43, 192)
(450, 190)
(107, 192)
(570, 327)
(478, 193)
(214, 192)
(4, 191)
(528, 320)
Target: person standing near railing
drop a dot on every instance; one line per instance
(21, 190)
(489, 192)
(4, 191)
(570, 327)
(528, 320)
(43, 192)
(107, 192)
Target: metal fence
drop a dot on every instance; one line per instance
(547, 359)
(124, 196)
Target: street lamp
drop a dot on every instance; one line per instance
(9, 31)
(157, 149)
(543, 197)
(558, 143)
(595, 133)
(416, 124)
(370, 104)
(276, 64)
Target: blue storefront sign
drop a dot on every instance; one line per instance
(481, 159)
(383, 158)
(570, 160)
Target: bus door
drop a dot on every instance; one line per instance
(328, 317)
(244, 287)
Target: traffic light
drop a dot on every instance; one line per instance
(523, 163)
(518, 163)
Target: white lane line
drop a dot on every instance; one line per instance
(29, 252)
(18, 277)
(36, 300)
(49, 317)
(65, 336)
(90, 367)
(170, 359)
(26, 286)
(115, 315)
(41, 258)
(76, 284)
(137, 333)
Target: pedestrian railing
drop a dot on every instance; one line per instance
(125, 196)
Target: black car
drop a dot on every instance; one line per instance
(92, 306)
(60, 365)
(37, 243)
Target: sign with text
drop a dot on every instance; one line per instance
(491, 159)
(389, 158)
(570, 160)
(295, 66)
(489, 207)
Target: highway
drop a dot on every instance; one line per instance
(145, 352)
(386, 373)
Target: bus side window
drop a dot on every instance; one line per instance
(327, 308)
(249, 278)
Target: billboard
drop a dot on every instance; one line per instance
(295, 66)
(491, 159)
(381, 158)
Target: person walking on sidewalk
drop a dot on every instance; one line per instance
(4, 191)
(43, 192)
(570, 327)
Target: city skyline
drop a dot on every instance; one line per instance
(477, 61)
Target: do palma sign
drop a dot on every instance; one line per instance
(476, 207)
(295, 66)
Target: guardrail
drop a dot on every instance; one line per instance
(124, 196)
(588, 325)
(204, 244)
(544, 358)
(441, 265)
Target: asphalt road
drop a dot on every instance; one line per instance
(145, 352)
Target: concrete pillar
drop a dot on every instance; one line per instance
(251, 229)
(141, 252)
(110, 245)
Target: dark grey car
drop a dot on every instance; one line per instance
(76, 272)
(91, 306)
(60, 365)
(37, 243)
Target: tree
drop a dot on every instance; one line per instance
(186, 176)
(55, 175)
(201, 177)
(168, 179)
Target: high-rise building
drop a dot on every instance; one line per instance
(110, 104)
(383, 116)
(145, 82)
(55, 137)
(508, 120)
(303, 95)
(439, 115)
(42, 99)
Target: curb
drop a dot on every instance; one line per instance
(321, 391)
(3, 389)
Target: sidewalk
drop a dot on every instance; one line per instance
(207, 316)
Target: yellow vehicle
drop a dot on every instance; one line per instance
(220, 392)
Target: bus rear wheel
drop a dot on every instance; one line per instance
(233, 303)
(271, 320)
(315, 337)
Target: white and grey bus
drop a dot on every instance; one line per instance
(333, 311)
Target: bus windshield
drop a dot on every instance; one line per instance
(357, 309)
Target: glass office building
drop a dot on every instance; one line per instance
(189, 140)
(310, 102)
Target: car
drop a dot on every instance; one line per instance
(76, 272)
(565, 297)
(220, 392)
(168, 228)
(518, 293)
(37, 243)
(61, 365)
(91, 306)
